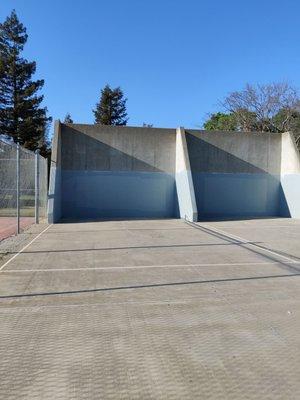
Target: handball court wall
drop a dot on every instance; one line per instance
(139, 172)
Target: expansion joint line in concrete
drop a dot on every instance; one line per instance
(240, 240)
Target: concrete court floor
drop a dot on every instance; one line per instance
(153, 309)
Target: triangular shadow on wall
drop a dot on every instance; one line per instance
(228, 187)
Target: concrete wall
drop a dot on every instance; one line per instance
(290, 177)
(111, 172)
(124, 172)
(184, 180)
(54, 194)
(235, 174)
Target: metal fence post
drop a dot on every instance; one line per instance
(37, 188)
(18, 188)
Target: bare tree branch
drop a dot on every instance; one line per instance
(265, 108)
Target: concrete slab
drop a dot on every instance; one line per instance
(281, 234)
(153, 309)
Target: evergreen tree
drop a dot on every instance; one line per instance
(68, 119)
(111, 109)
(21, 116)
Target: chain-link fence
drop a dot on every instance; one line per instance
(23, 188)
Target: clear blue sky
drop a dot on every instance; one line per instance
(173, 59)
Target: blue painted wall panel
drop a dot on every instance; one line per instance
(236, 194)
(106, 194)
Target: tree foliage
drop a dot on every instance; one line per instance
(146, 125)
(220, 122)
(111, 109)
(21, 115)
(68, 119)
(261, 108)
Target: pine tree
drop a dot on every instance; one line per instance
(68, 119)
(21, 116)
(111, 109)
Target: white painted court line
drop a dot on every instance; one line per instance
(24, 248)
(245, 241)
(147, 266)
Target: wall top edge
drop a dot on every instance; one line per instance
(202, 131)
(187, 130)
(119, 127)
